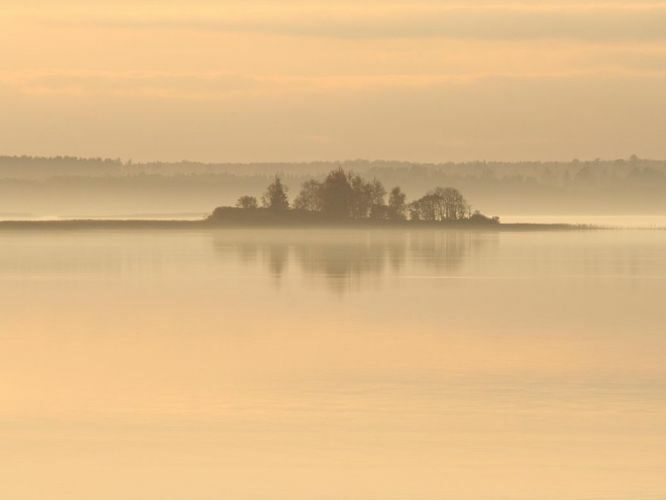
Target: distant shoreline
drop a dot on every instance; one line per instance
(96, 224)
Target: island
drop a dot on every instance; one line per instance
(347, 198)
(342, 198)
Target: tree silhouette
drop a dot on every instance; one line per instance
(396, 204)
(378, 209)
(455, 205)
(275, 197)
(361, 198)
(337, 194)
(441, 204)
(247, 202)
(343, 195)
(310, 197)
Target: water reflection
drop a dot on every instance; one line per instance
(345, 260)
(492, 358)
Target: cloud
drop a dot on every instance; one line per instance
(216, 86)
(295, 80)
(588, 22)
(145, 84)
(492, 118)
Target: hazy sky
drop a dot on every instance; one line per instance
(247, 80)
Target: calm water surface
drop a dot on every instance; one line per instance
(304, 364)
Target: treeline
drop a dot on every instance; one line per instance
(556, 174)
(74, 186)
(35, 167)
(344, 195)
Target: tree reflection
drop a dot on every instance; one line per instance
(347, 259)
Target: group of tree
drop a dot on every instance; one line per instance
(345, 195)
(440, 204)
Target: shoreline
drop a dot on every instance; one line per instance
(100, 224)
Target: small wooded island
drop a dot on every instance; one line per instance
(341, 199)
(344, 197)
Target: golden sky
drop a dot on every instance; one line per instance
(251, 80)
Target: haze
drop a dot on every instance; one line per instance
(332, 364)
(294, 81)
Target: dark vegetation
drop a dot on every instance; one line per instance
(343, 196)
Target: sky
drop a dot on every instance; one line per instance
(290, 80)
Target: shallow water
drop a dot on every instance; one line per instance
(348, 364)
(640, 221)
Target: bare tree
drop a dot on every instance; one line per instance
(247, 202)
(441, 204)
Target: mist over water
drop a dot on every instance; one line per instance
(332, 250)
(360, 364)
(605, 221)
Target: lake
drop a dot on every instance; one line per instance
(304, 364)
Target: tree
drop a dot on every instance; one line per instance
(361, 197)
(310, 197)
(414, 213)
(344, 195)
(441, 204)
(453, 205)
(275, 197)
(426, 208)
(378, 209)
(247, 202)
(367, 198)
(377, 193)
(336, 194)
(396, 204)
(478, 218)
